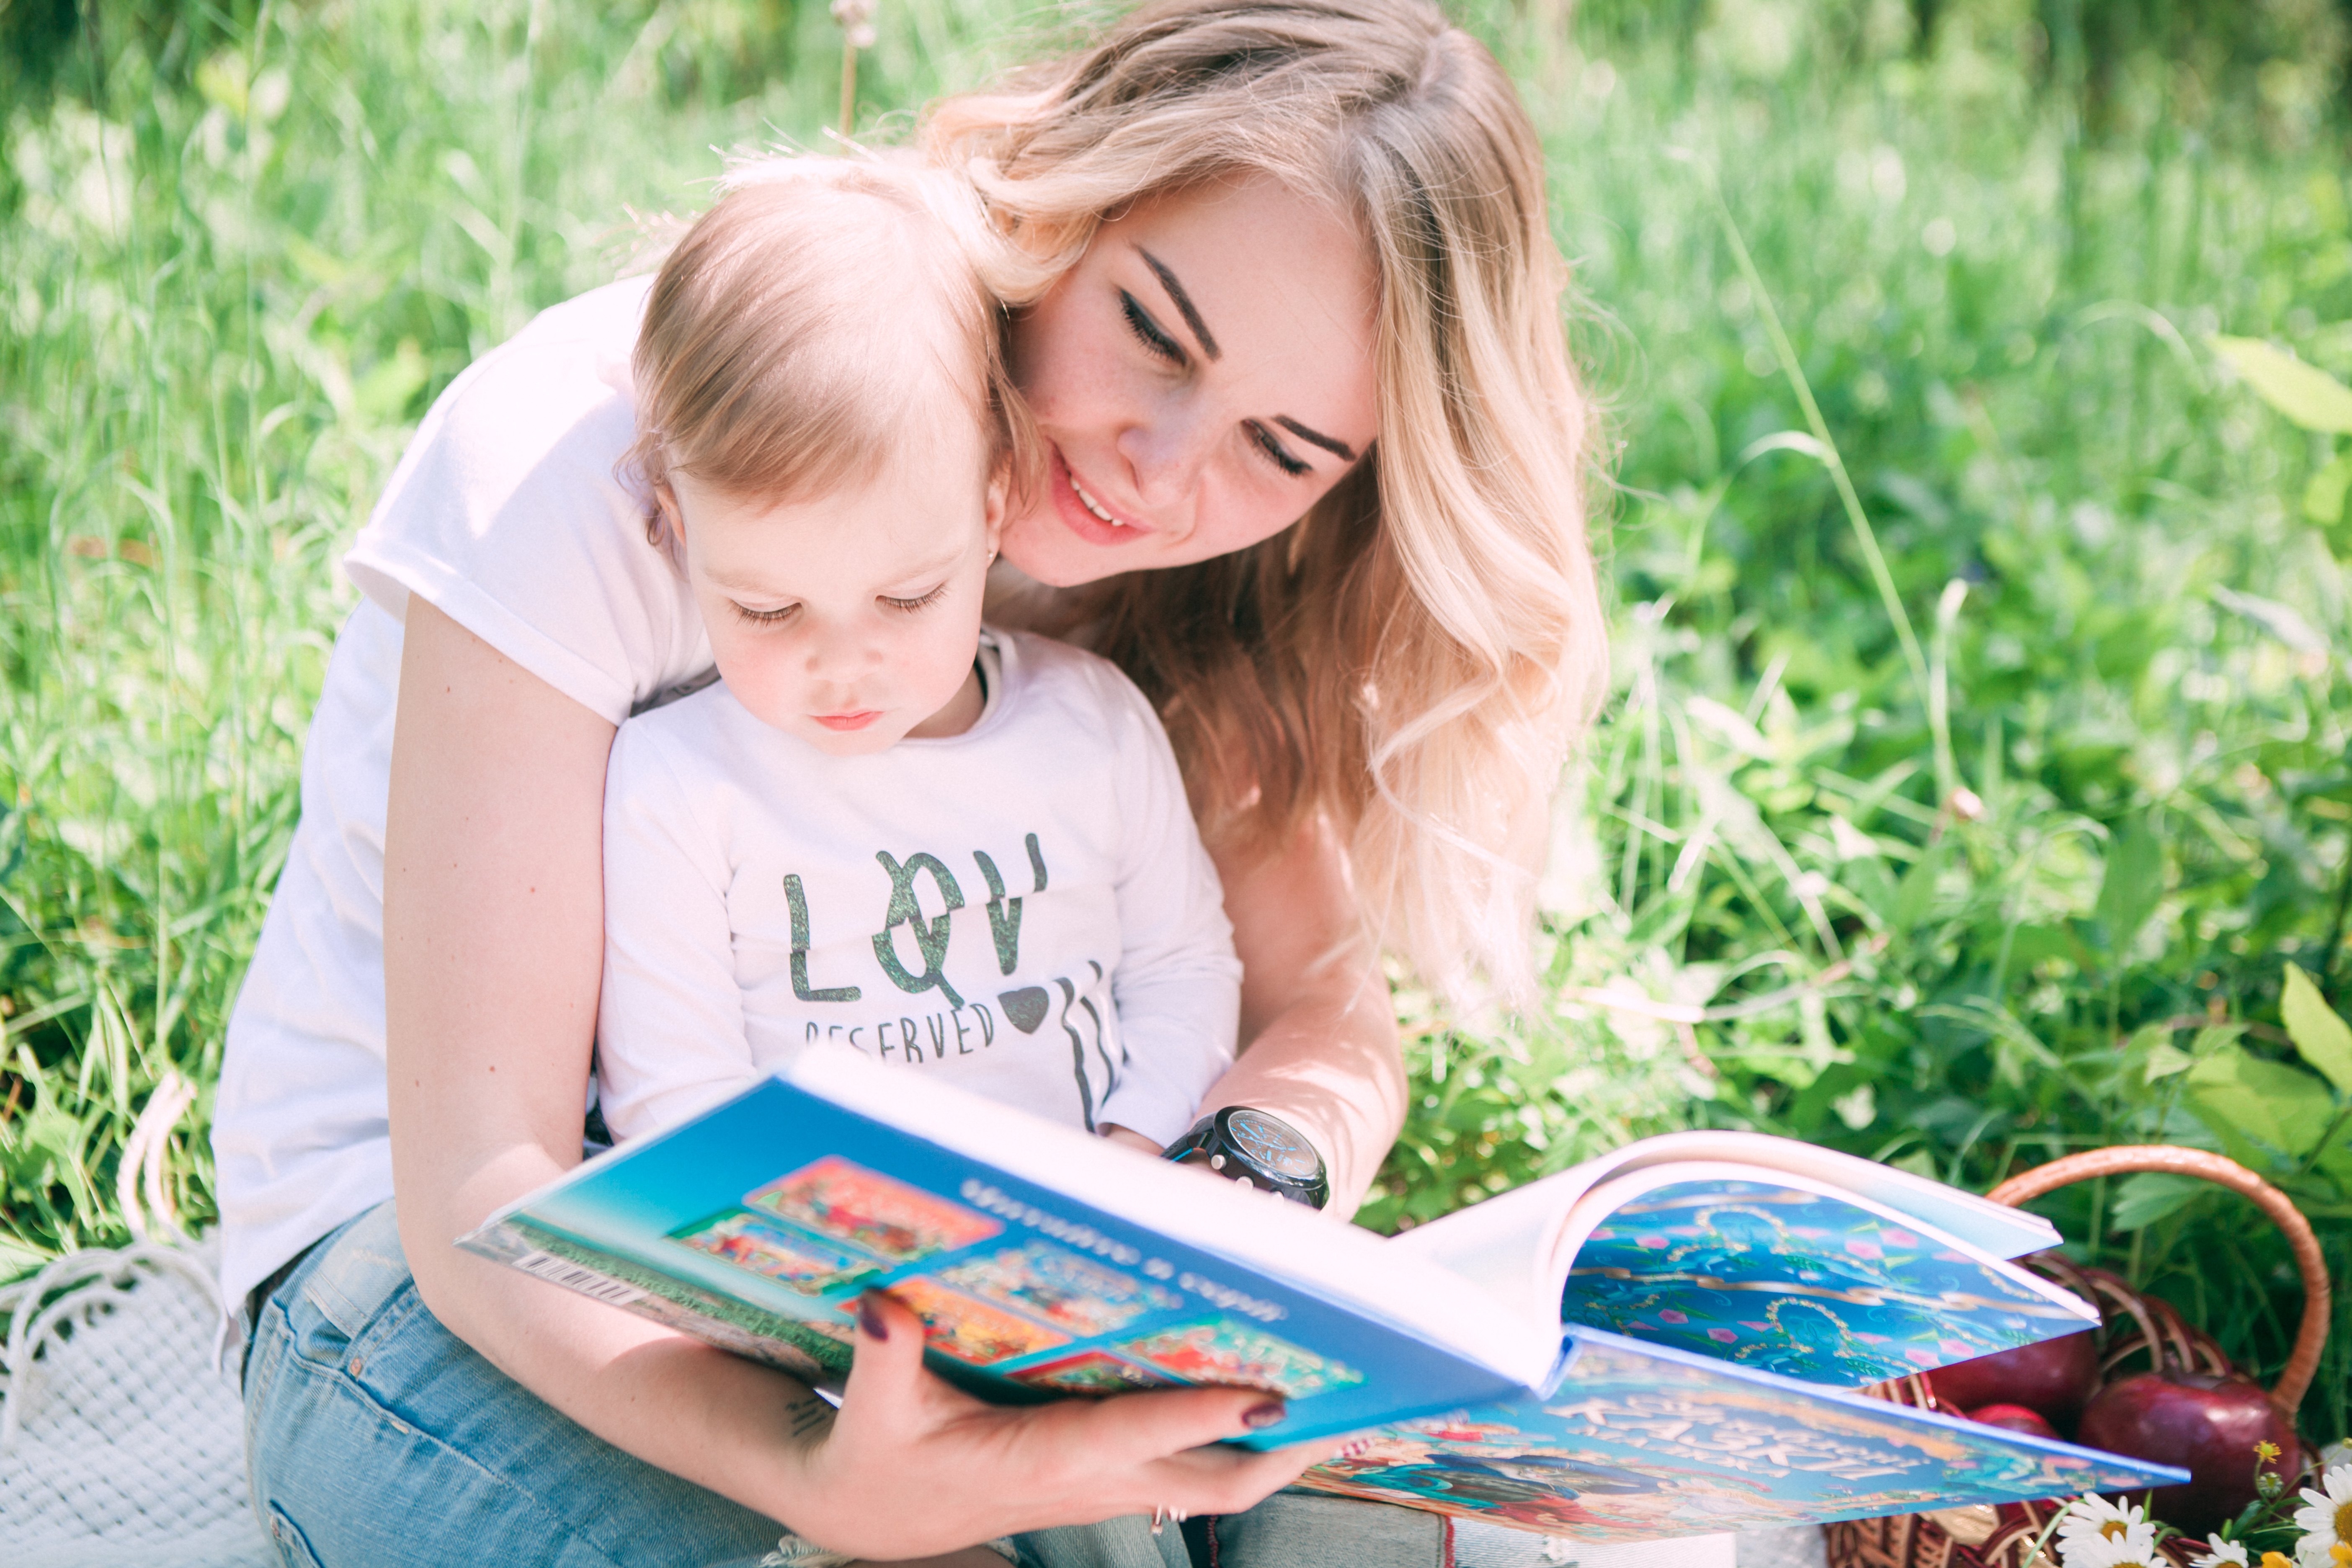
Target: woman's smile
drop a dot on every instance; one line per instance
(1087, 516)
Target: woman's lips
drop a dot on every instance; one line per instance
(847, 720)
(1080, 519)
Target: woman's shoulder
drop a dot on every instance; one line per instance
(563, 378)
(509, 513)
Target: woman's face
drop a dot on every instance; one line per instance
(1201, 377)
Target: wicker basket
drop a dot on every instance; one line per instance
(2005, 1537)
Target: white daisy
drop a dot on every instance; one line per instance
(2326, 1521)
(2223, 1554)
(2132, 1546)
(2092, 1518)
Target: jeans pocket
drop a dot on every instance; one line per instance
(345, 1287)
(293, 1546)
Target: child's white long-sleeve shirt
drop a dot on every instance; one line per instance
(1023, 910)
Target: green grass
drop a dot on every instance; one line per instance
(239, 266)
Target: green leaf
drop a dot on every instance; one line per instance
(2133, 883)
(2322, 497)
(2150, 1195)
(1916, 892)
(2309, 396)
(2324, 1039)
(2284, 1107)
(2164, 1061)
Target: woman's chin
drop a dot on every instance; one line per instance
(1044, 549)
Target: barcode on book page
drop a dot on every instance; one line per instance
(587, 1282)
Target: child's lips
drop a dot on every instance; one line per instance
(843, 721)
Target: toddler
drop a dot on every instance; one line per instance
(965, 853)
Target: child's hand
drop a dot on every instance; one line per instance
(910, 1465)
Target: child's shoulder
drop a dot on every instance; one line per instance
(1044, 670)
(697, 716)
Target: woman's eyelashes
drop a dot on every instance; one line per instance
(1274, 450)
(1161, 347)
(1140, 323)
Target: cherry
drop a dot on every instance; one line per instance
(2052, 1378)
(2013, 1419)
(2205, 1423)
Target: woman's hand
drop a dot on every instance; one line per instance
(1318, 1032)
(979, 1471)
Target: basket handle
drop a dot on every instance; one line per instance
(2303, 1364)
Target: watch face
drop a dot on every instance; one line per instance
(1271, 1144)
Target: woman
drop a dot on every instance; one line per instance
(1316, 484)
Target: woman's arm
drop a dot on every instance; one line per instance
(1318, 1035)
(493, 939)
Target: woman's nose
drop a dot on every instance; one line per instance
(1167, 453)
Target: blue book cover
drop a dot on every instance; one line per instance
(757, 1225)
(1640, 1443)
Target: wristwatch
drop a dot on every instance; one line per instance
(1259, 1150)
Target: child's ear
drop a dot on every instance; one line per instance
(673, 518)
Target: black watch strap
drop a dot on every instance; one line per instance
(1258, 1148)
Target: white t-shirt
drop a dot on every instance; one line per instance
(1023, 910)
(505, 514)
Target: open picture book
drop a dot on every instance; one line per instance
(1658, 1342)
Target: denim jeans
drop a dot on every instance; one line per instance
(377, 1438)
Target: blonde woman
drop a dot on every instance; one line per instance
(1316, 462)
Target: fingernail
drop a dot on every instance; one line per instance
(869, 1318)
(1266, 1414)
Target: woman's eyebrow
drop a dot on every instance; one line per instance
(1304, 434)
(1183, 302)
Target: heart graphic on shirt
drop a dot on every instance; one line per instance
(1025, 1007)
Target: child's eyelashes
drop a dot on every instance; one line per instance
(783, 613)
(1147, 331)
(932, 597)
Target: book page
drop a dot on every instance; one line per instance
(1793, 1276)
(1642, 1443)
(1509, 1243)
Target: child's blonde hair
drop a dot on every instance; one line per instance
(760, 367)
(1415, 657)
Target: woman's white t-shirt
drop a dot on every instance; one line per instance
(505, 514)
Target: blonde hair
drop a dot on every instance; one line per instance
(1414, 658)
(760, 368)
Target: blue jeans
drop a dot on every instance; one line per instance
(377, 1438)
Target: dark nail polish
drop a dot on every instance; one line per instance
(869, 1318)
(1266, 1414)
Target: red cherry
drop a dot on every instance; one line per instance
(2053, 1378)
(2014, 1418)
(2207, 1425)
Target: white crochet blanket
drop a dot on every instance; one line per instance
(119, 1441)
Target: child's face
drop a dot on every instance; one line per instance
(850, 621)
